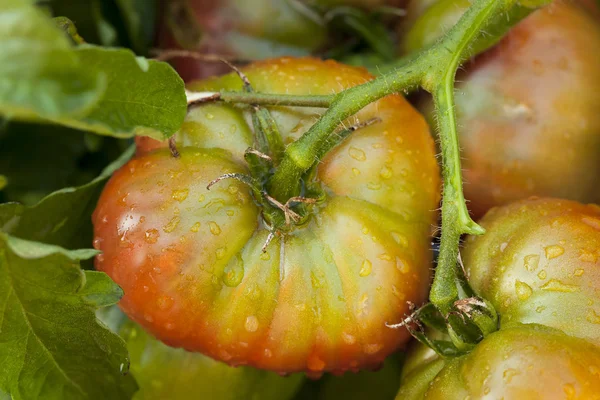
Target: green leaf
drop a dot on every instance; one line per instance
(143, 97)
(38, 159)
(51, 345)
(40, 75)
(63, 217)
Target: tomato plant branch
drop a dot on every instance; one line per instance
(434, 70)
(261, 99)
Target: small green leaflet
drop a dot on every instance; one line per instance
(51, 345)
(109, 91)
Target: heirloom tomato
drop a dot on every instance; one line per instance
(538, 265)
(317, 298)
(528, 121)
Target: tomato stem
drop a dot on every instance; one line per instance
(434, 69)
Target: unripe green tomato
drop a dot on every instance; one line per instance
(163, 372)
(538, 265)
(530, 362)
(527, 111)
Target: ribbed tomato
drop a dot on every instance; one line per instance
(190, 260)
(538, 265)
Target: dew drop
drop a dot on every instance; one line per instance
(590, 221)
(554, 285)
(372, 348)
(531, 262)
(509, 374)
(385, 257)
(234, 273)
(180, 195)
(214, 228)
(348, 338)
(592, 317)
(400, 239)
(386, 173)
(195, 227)
(220, 253)
(314, 363)
(251, 324)
(151, 236)
(230, 213)
(523, 290)
(570, 391)
(164, 303)
(170, 227)
(554, 251)
(588, 256)
(542, 274)
(357, 154)
(365, 269)
(355, 171)
(96, 243)
(578, 272)
(540, 309)
(374, 185)
(401, 265)
(201, 198)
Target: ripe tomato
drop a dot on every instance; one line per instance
(538, 265)
(528, 121)
(190, 259)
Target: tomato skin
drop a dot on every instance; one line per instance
(521, 362)
(192, 268)
(527, 120)
(538, 265)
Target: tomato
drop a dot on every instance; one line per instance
(538, 265)
(528, 121)
(258, 29)
(190, 261)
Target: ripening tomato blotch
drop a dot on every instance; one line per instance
(318, 297)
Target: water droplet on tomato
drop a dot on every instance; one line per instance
(348, 338)
(100, 258)
(251, 324)
(372, 348)
(365, 269)
(523, 290)
(508, 374)
(578, 272)
(268, 353)
(230, 213)
(214, 228)
(357, 154)
(97, 242)
(164, 303)
(590, 221)
(180, 194)
(151, 236)
(220, 253)
(542, 274)
(554, 251)
(554, 285)
(540, 309)
(314, 363)
(170, 227)
(386, 173)
(588, 256)
(265, 256)
(234, 272)
(232, 189)
(531, 262)
(399, 238)
(148, 317)
(385, 257)
(401, 265)
(593, 317)
(355, 171)
(570, 391)
(195, 227)
(374, 185)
